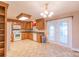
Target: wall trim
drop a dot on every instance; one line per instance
(58, 44)
(75, 49)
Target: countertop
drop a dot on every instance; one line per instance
(33, 31)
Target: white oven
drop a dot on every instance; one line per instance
(17, 32)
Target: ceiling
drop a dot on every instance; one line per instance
(35, 7)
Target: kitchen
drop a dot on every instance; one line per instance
(23, 30)
(27, 29)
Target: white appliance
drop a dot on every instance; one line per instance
(34, 34)
(17, 32)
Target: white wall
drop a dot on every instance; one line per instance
(75, 28)
(75, 32)
(8, 34)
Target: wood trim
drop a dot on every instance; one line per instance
(23, 14)
(60, 18)
(3, 4)
(15, 20)
(12, 37)
(5, 49)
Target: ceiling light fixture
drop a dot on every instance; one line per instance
(23, 16)
(46, 14)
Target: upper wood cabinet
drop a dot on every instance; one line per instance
(23, 25)
(40, 24)
(26, 25)
(29, 25)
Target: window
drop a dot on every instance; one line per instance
(64, 32)
(60, 31)
(51, 31)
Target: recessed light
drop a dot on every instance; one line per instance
(23, 18)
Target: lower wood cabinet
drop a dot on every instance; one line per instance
(39, 37)
(27, 35)
(24, 36)
(30, 35)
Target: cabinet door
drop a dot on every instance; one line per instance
(24, 36)
(40, 24)
(30, 36)
(39, 38)
(24, 25)
(27, 35)
(29, 26)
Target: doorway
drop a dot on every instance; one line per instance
(59, 31)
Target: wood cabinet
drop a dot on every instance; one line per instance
(40, 24)
(30, 26)
(24, 36)
(26, 25)
(23, 25)
(39, 37)
(27, 35)
(3, 28)
(30, 35)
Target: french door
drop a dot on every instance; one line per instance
(59, 31)
(64, 32)
(51, 30)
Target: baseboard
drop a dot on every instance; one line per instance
(58, 43)
(75, 49)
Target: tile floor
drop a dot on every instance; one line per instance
(29, 48)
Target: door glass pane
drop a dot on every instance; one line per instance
(64, 32)
(51, 32)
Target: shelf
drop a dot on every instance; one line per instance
(2, 14)
(2, 22)
(1, 49)
(1, 34)
(2, 42)
(1, 29)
